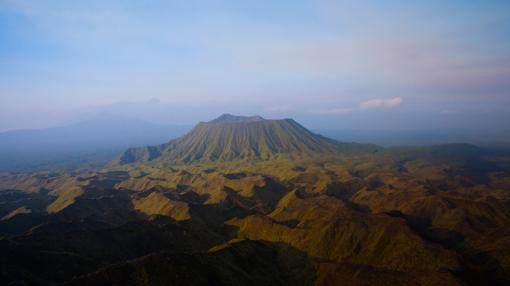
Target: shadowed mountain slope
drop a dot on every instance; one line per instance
(231, 137)
(248, 201)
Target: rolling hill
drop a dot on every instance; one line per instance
(249, 201)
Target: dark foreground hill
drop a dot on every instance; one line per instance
(248, 201)
(229, 138)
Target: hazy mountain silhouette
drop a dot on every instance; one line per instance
(96, 140)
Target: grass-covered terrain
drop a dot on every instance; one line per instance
(273, 206)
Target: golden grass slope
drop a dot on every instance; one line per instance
(158, 204)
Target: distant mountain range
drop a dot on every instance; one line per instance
(94, 141)
(483, 138)
(101, 139)
(230, 137)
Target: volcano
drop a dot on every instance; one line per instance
(231, 137)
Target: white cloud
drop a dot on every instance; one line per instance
(381, 103)
(369, 104)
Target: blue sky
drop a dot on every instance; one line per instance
(329, 64)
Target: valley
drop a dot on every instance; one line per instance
(244, 201)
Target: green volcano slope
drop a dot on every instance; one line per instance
(229, 138)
